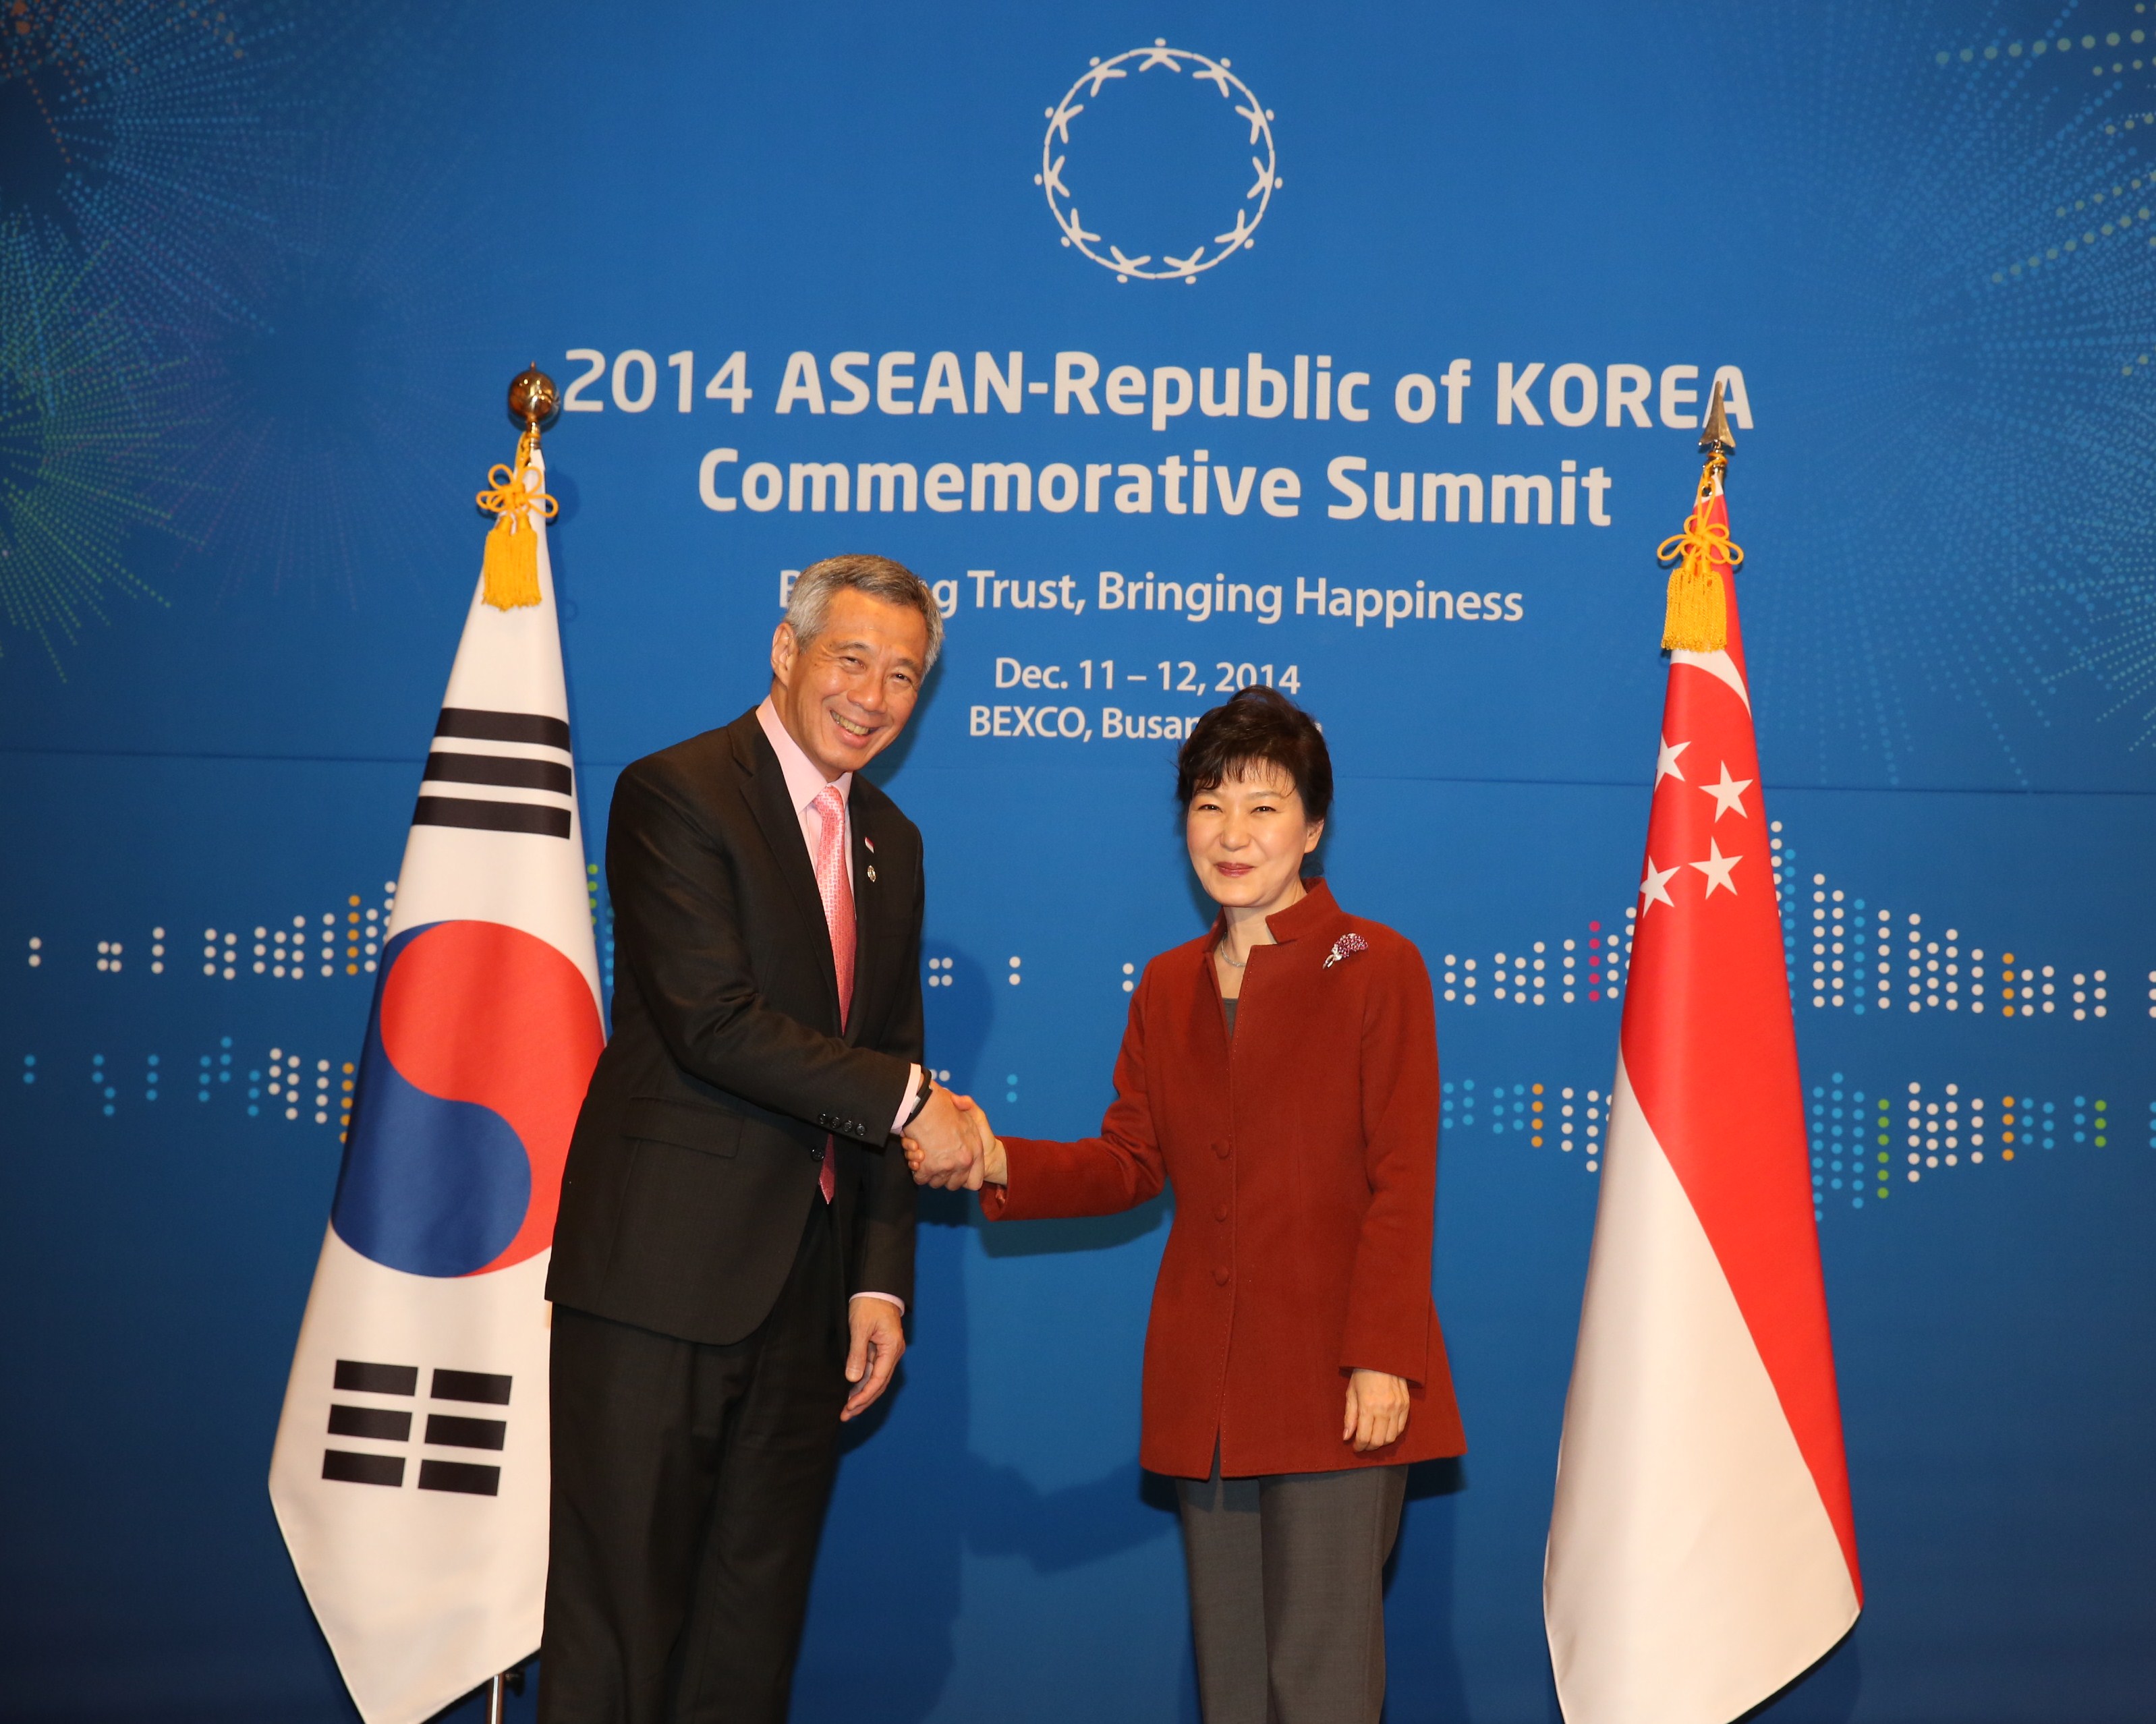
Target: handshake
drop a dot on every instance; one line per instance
(950, 1146)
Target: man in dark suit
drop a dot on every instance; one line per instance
(735, 1245)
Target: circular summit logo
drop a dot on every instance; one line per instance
(1167, 132)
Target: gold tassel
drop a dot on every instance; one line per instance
(509, 575)
(1697, 619)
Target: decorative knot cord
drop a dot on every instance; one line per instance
(509, 577)
(1697, 620)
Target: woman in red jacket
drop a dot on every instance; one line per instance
(1281, 1071)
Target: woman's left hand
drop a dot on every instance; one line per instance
(1377, 1410)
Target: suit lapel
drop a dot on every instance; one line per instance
(764, 786)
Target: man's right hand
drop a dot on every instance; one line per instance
(943, 1146)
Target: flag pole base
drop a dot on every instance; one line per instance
(499, 1687)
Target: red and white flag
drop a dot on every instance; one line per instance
(1702, 1552)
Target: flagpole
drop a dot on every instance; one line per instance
(1715, 444)
(499, 1687)
(1697, 618)
(534, 399)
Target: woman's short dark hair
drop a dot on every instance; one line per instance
(1257, 724)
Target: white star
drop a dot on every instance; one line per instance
(1666, 764)
(1728, 794)
(1716, 868)
(1655, 888)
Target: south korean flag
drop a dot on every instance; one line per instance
(410, 1473)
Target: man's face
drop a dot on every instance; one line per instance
(846, 695)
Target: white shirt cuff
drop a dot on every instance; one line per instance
(892, 1297)
(905, 1102)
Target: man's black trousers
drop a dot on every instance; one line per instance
(690, 1483)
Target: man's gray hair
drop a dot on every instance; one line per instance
(809, 604)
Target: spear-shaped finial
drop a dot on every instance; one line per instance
(1714, 437)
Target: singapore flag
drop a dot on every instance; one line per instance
(1702, 1552)
(410, 1473)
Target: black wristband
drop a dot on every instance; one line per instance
(921, 1101)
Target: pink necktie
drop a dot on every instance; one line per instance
(834, 884)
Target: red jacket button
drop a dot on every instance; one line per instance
(1220, 1275)
(1221, 1151)
(1220, 1211)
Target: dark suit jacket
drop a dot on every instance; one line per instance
(696, 1157)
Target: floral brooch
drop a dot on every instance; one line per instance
(1346, 945)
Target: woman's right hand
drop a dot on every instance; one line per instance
(990, 1166)
(995, 1166)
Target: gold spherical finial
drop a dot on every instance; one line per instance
(533, 397)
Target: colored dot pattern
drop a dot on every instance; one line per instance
(602, 908)
(1865, 1142)
(1836, 1122)
(346, 943)
(1565, 1118)
(1845, 953)
(1587, 969)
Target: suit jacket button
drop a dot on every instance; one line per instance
(1220, 1211)
(1221, 1151)
(1220, 1277)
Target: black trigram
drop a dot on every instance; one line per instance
(548, 776)
(393, 1424)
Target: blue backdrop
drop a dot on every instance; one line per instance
(264, 273)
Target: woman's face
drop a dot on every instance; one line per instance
(1248, 836)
